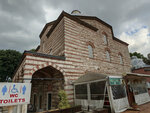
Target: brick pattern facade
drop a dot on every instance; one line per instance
(70, 39)
(76, 37)
(54, 44)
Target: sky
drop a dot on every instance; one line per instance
(21, 21)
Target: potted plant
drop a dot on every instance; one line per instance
(63, 103)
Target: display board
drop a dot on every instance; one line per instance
(115, 81)
(14, 93)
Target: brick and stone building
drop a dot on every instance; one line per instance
(143, 70)
(69, 47)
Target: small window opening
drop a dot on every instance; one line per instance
(105, 39)
(90, 51)
(50, 51)
(121, 59)
(107, 55)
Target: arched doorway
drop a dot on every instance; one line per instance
(46, 83)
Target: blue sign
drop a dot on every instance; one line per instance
(14, 90)
(4, 90)
(23, 89)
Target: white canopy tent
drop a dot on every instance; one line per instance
(94, 91)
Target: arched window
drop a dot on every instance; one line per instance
(50, 52)
(43, 45)
(90, 51)
(120, 58)
(105, 39)
(107, 55)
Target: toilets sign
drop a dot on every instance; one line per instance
(14, 93)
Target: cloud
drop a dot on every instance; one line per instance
(138, 39)
(21, 23)
(22, 20)
(51, 14)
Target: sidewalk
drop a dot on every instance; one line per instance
(145, 108)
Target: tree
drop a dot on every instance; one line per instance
(139, 55)
(9, 60)
(63, 100)
(32, 50)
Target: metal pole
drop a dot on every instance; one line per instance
(18, 108)
(10, 109)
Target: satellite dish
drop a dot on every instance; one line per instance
(75, 12)
(148, 56)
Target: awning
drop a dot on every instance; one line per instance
(136, 76)
(91, 76)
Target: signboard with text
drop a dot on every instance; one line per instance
(115, 81)
(14, 93)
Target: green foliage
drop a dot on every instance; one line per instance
(63, 100)
(139, 55)
(32, 50)
(9, 60)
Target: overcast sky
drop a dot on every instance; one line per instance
(21, 21)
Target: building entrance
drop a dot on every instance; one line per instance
(46, 83)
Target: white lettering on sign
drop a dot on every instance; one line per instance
(14, 93)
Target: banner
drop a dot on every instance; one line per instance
(14, 93)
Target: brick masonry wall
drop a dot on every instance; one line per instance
(43, 88)
(71, 38)
(55, 41)
(141, 71)
(76, 49)
(34, 63)
(43, 39)
(19, 73)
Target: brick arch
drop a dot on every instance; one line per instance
(107, 49)
(120, 54)
(90, 43)
(104, 33)
(45, 65)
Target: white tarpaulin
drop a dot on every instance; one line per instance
(14, 93)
